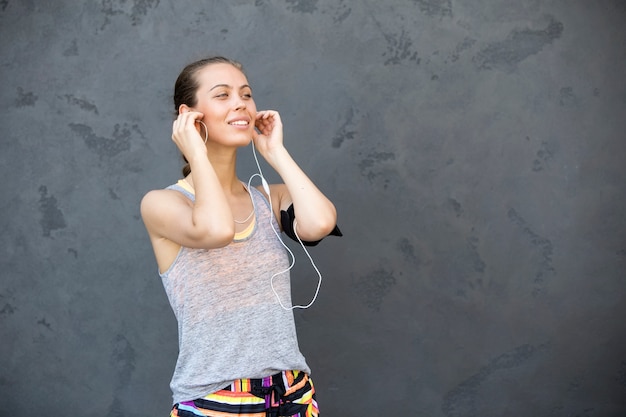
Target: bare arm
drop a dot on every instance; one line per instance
(316, 215)
(207, 223)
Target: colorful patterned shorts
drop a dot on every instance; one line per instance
(286, 394)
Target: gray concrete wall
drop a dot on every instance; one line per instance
(475, 151)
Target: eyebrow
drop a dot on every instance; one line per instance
(228, 86)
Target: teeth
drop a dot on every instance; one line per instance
(239, 123)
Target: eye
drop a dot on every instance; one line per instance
(221, 95)
(246, 93)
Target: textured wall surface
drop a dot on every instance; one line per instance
(475, 150)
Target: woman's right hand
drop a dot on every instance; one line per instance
(186, 134)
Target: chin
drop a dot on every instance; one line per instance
(239, 139)
(245, 143)
(240, 142)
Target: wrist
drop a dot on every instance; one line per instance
(197, 158)
(278, 157)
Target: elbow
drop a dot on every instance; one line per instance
(224, 236)
(221, 241)
(217, 237)
(324, 228)
(319, 229)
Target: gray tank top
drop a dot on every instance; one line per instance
(230, 324)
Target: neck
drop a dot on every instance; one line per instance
(224, 164)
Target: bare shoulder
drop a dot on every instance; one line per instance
(157, 203)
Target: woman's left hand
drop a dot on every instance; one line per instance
(270, 136)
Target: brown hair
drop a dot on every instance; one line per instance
(186, 87)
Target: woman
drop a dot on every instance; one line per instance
(223, 267)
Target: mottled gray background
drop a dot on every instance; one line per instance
(475, 151)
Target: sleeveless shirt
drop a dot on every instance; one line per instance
(230, 323)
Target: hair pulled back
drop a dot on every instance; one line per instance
(187, 85)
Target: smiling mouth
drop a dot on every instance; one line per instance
(239, 123)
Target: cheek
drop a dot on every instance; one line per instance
(213, 125)
(211, 115)
(252, 107)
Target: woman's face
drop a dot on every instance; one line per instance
(225, 99)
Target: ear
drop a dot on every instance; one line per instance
(183, 108)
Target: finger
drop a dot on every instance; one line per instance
(189, 116)
(264, 114)
(193, 117)
(260, 124)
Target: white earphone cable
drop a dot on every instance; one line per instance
(293, 258)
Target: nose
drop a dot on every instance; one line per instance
(240, 103)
